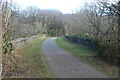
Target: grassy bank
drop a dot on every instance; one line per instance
(32, 63)
(88, 56)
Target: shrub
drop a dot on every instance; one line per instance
(109, 52)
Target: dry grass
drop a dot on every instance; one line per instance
(27, 61)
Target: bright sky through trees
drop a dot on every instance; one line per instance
(65, 6)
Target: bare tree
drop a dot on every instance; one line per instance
(5, 11)
(1, 39)
(114, 10)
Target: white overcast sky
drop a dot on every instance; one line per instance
(65, 6)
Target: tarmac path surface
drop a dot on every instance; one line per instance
(64, 65)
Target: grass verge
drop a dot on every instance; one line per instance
(88, 56)
(32, 63)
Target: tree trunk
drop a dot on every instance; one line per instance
(118, 42)
(1, 38)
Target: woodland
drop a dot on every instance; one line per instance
(98, 23)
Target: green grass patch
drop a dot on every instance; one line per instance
(33, 64)
(78, 51)
(88, 56)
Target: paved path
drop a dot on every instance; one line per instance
(64, 65)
